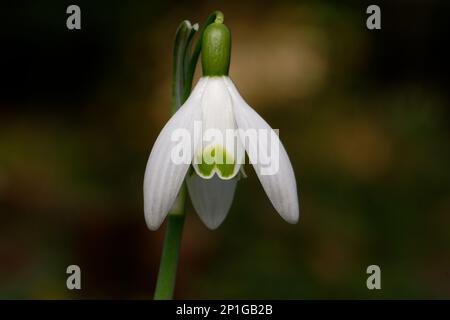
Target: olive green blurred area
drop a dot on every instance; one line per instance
(364, 115)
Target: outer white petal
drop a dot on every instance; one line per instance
(163, 177)
(211, 198)
(280, 187)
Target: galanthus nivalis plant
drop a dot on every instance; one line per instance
(204, 144)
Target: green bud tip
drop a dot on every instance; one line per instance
(216, 48)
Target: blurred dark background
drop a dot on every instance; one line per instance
(363, 114)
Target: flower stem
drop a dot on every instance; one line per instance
(169, 259)
(198, 47)
(184, 63)
(165, 283)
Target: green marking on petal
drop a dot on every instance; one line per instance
(215, 156)
(205, 169)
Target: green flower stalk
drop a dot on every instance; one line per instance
(210, 132)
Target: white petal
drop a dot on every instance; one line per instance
(211, 198)
(280, 185)
(218, 133)
(163, 176)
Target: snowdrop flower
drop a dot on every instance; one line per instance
(215, 104)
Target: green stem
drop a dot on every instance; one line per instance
(216, 15)
(169, 259)
(183, 74)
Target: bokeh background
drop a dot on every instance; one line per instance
(363, 114)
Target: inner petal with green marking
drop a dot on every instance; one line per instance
(215, 159)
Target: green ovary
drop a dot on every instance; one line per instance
(215, 156)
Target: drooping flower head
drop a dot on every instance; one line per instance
(211, 133)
